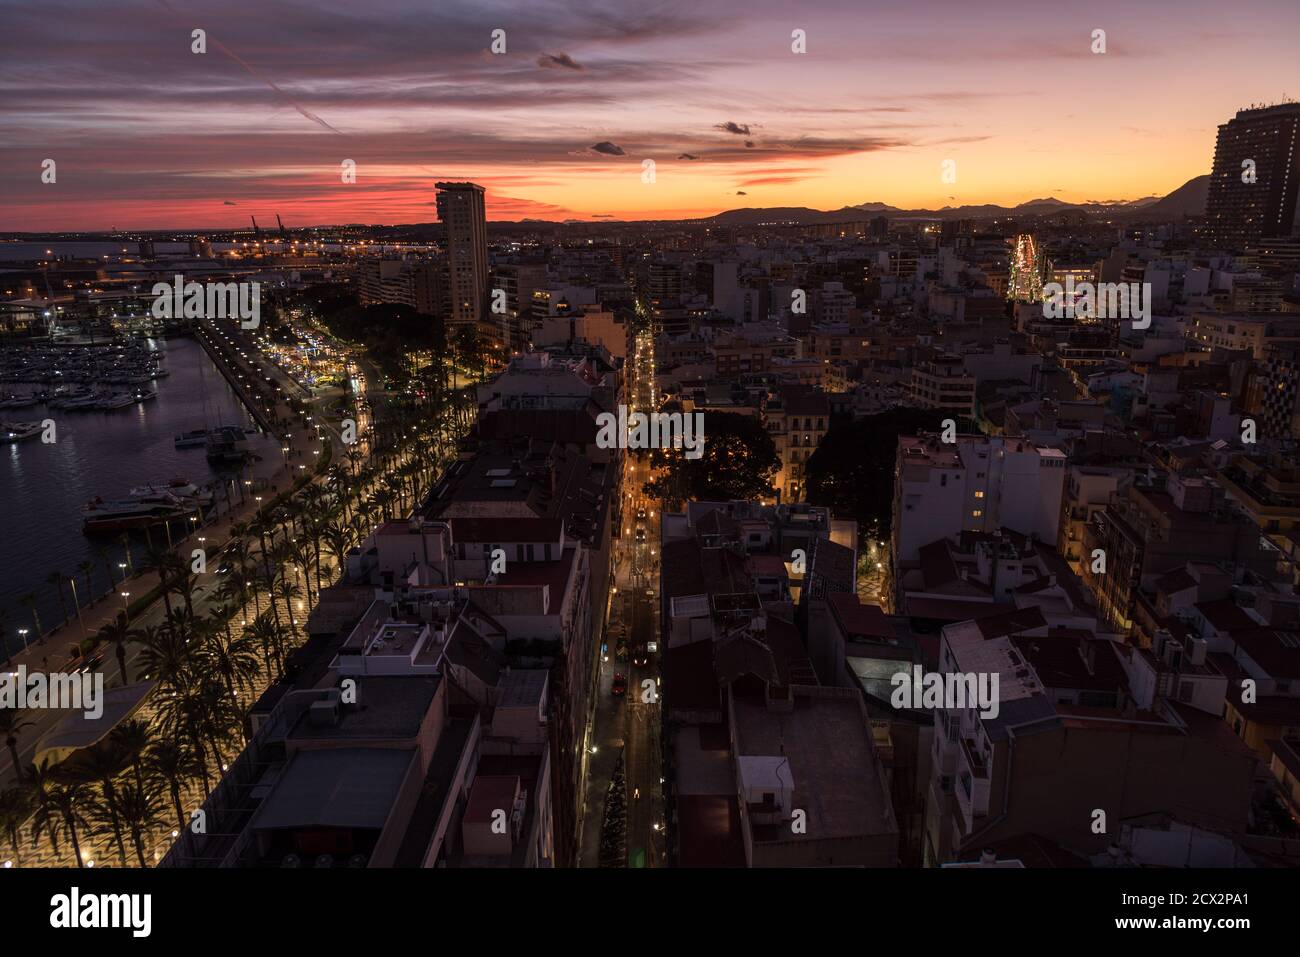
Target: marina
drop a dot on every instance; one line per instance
(123, 458)
(18, 431)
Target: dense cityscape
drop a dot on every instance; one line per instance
(933, 536)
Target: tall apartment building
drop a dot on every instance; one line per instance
(1253, 184)
(461, 210)
(1157, 528)
(1240, 331)
(978, 483)
(1279, 393)
(421, 284)
(519, 281)
(797, 419)
(943, 383)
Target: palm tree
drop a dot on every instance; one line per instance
(302, 558)
(117, 633)
(234, 655)
(173, 765)
(139, 809)
(164, 653)
(30, 601)
(55, 578)
(232, 590)
(15, 809)
(183, 622)
(11, 725)
(57, 801)
(108, 565)
(85, 567)
(133, 737)
(266, 631)
(184, 579)
(338, 538)
(288, 592)
(101, 765)
(159, 560)
(125, 540)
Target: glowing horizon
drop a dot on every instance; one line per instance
(148, 135)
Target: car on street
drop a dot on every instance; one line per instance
(640, 516)
(640, 534)
(619, 687)
(85, 662)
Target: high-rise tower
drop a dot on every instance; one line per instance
(1256, 172)
(461, 210)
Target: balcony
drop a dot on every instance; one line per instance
(973, 784)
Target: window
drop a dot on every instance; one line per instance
(977, 513)
(979, 494)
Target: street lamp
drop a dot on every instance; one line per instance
(22, 633)
(126, 604)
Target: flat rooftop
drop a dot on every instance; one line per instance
(836, 775)
(336, 787)
(387, 707)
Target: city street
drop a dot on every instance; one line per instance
(629, 723)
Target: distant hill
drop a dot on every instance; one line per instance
(1186, 200)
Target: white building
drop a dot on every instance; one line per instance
(977, 483)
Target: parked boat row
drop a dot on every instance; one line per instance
(144, 506)
(127, 362)
(11, 432)
(92, 400)
(198, 438)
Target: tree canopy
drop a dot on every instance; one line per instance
(739, 461)
(852, 471)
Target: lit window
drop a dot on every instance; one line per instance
(979, 494)
(977, 513)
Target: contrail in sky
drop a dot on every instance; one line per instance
(257, 76)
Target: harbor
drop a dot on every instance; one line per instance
(145, 487)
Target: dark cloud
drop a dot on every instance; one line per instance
(608, 149)
(749, 144)
(229, 203)
(559, 61)
(741, 192)
(730, 127)
(688, 156)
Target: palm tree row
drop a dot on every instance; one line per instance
(209, 667)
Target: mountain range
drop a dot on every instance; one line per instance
(1186, 200)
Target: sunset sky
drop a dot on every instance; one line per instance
(147, 134)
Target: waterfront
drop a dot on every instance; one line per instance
(45, 486)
